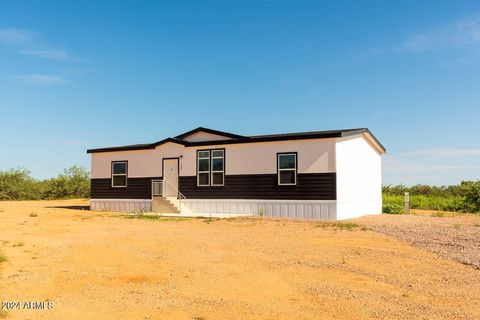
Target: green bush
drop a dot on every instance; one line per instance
(74, 182)
(464, 197)
(392, 208)
(17, 184)
(427, 202)
(471, 194)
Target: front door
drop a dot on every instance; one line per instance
(170, 177)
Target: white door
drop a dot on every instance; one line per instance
(170, 177)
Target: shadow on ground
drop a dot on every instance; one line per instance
(72, 207)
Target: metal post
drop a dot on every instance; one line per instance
(407, 203)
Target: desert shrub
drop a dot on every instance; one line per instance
(74, 182)
(424, 202)
(471, 196)
(17, 184)
(392, 208)
(421, 189)
(393, 199)
(464, 197)
(447, 203)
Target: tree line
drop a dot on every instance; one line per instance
(18, 184)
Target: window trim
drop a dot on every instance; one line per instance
(119, 174)
(198, 168)
(217, 171)
(210, 168)
(295, 169)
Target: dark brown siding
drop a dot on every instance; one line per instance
(137, 188)
(310, 186)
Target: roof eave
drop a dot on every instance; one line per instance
(241, 139)
(135, 148)
(366, 131)
(113, 149)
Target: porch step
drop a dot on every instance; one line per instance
(174, 201)
(164, 205)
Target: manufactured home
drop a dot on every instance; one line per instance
(309, 175)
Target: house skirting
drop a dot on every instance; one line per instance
(291, 209)
(121, 205)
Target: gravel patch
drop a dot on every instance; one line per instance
(452, 236)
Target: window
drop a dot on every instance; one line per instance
(119, 174)
(203, 168)
(287, 168)
(211, 167)
(217, 167)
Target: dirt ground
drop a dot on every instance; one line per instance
(451, 235)
(92, 265)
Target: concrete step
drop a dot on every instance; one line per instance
(164, 205)
(174, 201)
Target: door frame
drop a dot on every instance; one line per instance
(178, 171)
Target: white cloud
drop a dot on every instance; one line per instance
(443, 152)
(40, 79)
(458, 34)
(29, 43)
(10, 36)
(49, 54)
(459, 38)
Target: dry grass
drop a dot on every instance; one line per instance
(18, 244)
(3, 257)
(89, 264)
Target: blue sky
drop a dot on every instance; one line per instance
(92, 74)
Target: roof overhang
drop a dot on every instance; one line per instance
(137, 146)
(369, 136)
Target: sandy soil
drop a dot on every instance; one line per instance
(102, 266)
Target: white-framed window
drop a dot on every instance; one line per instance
(119, 174)
(218, 167)
(211, 167)
(203, 168)
(287, 169)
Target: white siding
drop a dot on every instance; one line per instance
(314, 156)
(204, 136)
(141, 163)
(359, 178)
